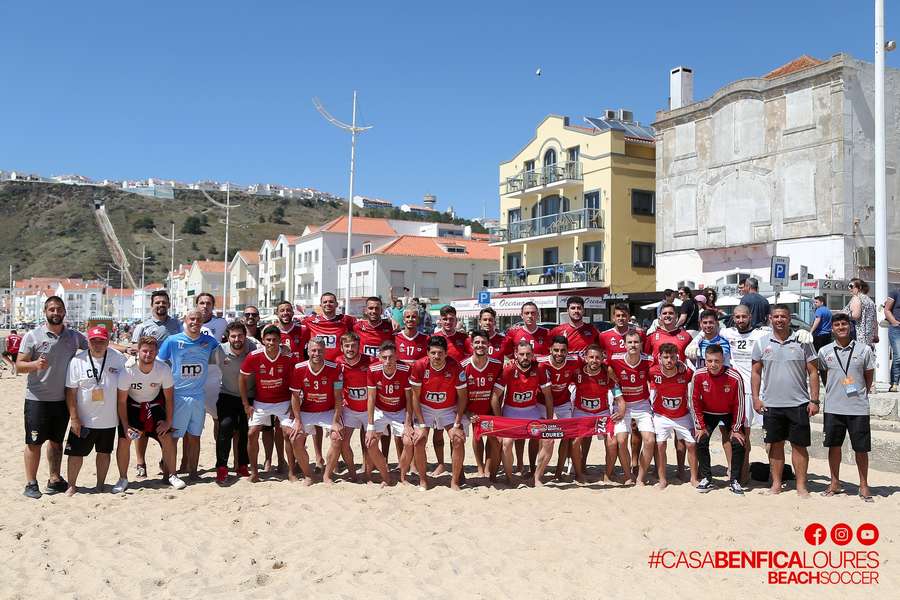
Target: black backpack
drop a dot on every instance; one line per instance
(761, 472)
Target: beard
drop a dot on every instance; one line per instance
(54, 319)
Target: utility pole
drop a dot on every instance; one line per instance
(882, 370)
(354, 131)
(143, 259)
(121, 289)
(171, 241)
(227, 206)
(12, 297)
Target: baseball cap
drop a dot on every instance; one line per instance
(96, 332)
(700, 298)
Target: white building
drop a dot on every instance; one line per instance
(243, 280)
(84, 299)
(775, 165)
(366, 202)
(190, 281)
(120, 303)
(276, 271)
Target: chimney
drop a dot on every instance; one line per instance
(681, 87)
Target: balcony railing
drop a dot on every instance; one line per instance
(547, 175)
(573, 220)
(556, 274)
(240, 285)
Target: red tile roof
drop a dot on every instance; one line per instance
(414, 245)
(798, 64)
(361, 225)
(211, 266)
(251, 257)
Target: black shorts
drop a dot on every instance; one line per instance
(101, 440)
(789, 423)
(45, 421)
(144, 417)
(13, 356)
(837, 426)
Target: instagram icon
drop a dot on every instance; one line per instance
(841, 534)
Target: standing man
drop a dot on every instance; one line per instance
(668, 298)
(214, 327)
(45, 354)
(524, 393)
(612, 341)
(667, 333)
(850, 367)
(561, 369)
(708, 336)
(781, 366)
(426, 323)
(390, 414)
(232, 416)
(487, 321)
(579, 333)
(718, 397)
(251, 322)
(11, 350)
(272, 437)
(821, 325)
(374, 329)
(631, 371)
(669, 383)
(143, 414)
(689, 313)
(91, 386)
(759, 306)
(411, 343)
(293, 334)
(355, 399)
(892, 314)
(189, 354)
(439, 402)
(458, 349)
(595, 392)
(528, 330)
(271, 368)
(482, 372)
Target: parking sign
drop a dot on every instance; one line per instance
(780, 273)
(484, 298)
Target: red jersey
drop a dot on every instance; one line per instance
(330, 330)
(633, 380)
(409, 350)
(371, 336)
(458, 347)
(316, 389)
(592, 391)
(613, 342)
(437, 389)
(294, 338)
(579, 337)
(496, 345)
(273, 376)
(13, 342)
(670, 394)
(355, 393)
(560, 378)
(390, 392)
(480, 384)
(720, 394)
(679, 337)
(524, 388)
(539, 339)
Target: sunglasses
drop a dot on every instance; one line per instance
(254, 315)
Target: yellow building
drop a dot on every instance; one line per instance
(577, 209)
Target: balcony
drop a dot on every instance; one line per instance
(547, 277)
(240, 285)
(546, 178)
(582, 219)
(356, 291)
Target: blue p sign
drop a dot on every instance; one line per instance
(484, 297)
(779, 271)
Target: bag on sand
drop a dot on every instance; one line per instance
(760, 472)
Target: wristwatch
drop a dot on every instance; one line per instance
(816, 402)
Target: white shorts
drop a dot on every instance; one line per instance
(264, 411)
(528, 412)
(442, 418)
(682, 427)
(211, 390)
(751, 418)
(563, 411)
(354, 419)
(641, 413)
(311, 420)
(393, 421)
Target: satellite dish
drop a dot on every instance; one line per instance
(538, 72)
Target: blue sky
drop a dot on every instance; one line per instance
(222, 90)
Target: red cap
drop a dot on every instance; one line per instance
(98, 332)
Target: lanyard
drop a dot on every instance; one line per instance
(97, 375)
(849, 356)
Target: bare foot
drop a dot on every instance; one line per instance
(480, 472)
(439, 470)
(328, 481)
(581, 480)
(71, 491)
(306, 481)
(267, 466)
(292, 477)
(538, 483)
(628, 481)
(663, 484)
(254, 478)
(772, 491)
(803, 493)
(640, 483)
(694, 483)
(454, 486)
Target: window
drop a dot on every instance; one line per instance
(316, 255)
(592, 252)
(686, 283)
(514, 216)
(398, 279)
(573, 153)
(513, 260)
(643, 202)
(460, 280)
(551, 256)
(367, 248)
(344, 252)
(643, 254)
(592, 199)
(529, 165)
(550, 157)
(455, 249)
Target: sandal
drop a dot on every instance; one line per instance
(866, 498)
(141, 470)
(830, 493)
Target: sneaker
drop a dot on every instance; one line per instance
(893, 388)
(141, 471)
(121, 486)
(177, 483)
(705, 486)
(56, 487)
(32, 490)
(243, 471)
(221, 474)
(736, 488)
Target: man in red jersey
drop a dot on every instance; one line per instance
(482, 372)
(329, 327)
(355, 399)
(293, 335)
(523, 393)
(373, 330)
(271, 367)
(595, 392)
(718, 396)
(529, 331)
(579, 333)
(560, 368)
(439, 402)
(487, 321)
(316, 385)
(389, 412)
(411, 344)
(458, 349)
(631, 371)
(667, 333)
(613, 340)
(11, 350)
(669, 383)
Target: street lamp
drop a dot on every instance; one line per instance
(227, 206)
(143, 259)
(882, 371)
(354, 130)
(172, 241)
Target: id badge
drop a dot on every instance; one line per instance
(97, 394)
(852, 389)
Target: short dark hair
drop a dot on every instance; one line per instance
(593, 347)
(447, 310)
(632, 333)
(666, 305)
(783, 307)
(668, 292)
(201, 294)
(709, 314)
(622, 306)
(373, 299)
(575, 300)
(159, 293)
(820, 299)
(715, 349)
(560, 339)
(489, 310)
(751, 282)
(479, 333)
(236, 326)
(529, 303)
(282, 303)
(387, 345)
(839, 316)
(668, 348)
(437, 341)
(332, 294)
(13, 331)
(687, 291)
(271, 329)
(52, 299)
(148, 340)
(351, 336)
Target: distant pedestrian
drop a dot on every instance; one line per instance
(862, 311)
(892, 314)
(689, 316)
(668, 298)
(759, 306)
(821, 325)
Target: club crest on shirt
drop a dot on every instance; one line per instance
(726, 389)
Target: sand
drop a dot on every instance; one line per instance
(274, 538)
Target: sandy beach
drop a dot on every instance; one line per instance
(275, 538)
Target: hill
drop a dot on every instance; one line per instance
(49, 229)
